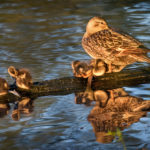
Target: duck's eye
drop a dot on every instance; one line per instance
(96, 25)
(102, 22)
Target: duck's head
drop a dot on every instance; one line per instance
(22, 77)
(81, 69)
(96, 24)
(4, 87)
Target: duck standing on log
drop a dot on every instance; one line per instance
(102, 42)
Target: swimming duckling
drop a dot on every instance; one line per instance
(22, 77)
(102, 42)
(4, 87)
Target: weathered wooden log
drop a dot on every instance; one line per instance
(60, 86)
(127, 77)
(69, 85)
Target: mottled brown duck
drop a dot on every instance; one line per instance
(114, 48)
(22, 77)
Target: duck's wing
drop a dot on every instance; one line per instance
(127, 35)
(127, 44)
(116, 43)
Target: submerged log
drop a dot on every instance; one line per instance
(68, 85)
(127, 77)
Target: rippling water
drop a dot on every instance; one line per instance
(45, 37)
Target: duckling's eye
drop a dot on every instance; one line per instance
(102, 22)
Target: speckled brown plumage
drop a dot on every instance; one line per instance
(102, 42)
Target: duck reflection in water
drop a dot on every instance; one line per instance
(110, 113)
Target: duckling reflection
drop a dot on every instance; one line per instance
(85, 97)
(112, 112)
(22, 77)
(25, 106)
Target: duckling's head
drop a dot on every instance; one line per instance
(22, 77)
(96, 24)
(81, 69)
(4, 87)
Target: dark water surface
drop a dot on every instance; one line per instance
(45, 37)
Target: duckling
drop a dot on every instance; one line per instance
(81, 69)
(99, 68)
(22, 77)
(4, 87)
(88, 69)
(114, 48)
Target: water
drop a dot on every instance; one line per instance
(45, 37)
